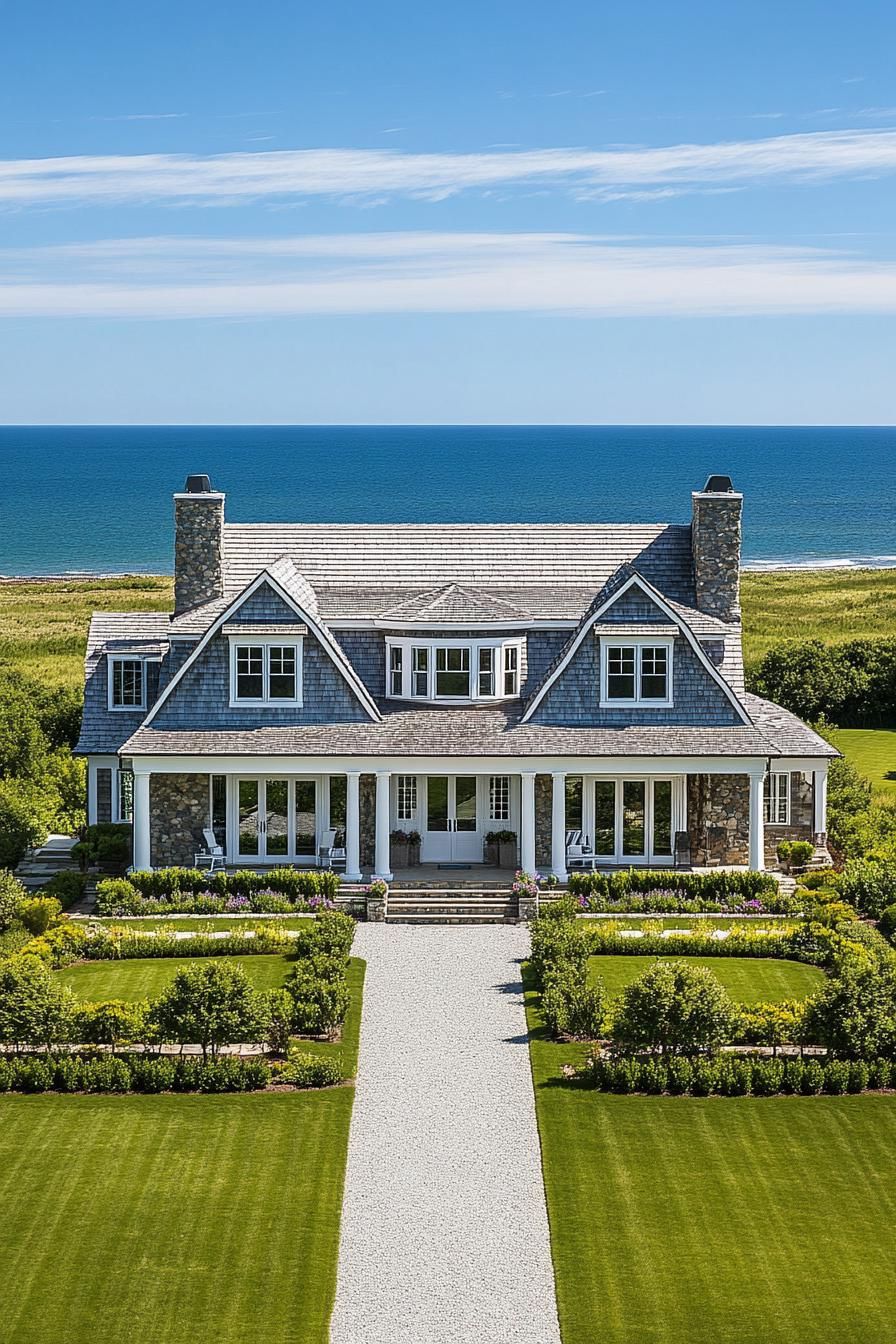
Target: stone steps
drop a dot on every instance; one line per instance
(450, 906)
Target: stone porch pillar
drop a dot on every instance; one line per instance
(527, 821)
(142, 838)
(353, 826)
(820, 802)
(381, 865)
(558, 824)
(757, 822)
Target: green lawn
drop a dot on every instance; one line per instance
(171, 1219)
(831, 605)
(694, 1221)
(873, 753)
(747, 979)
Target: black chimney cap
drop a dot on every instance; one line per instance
(716, 485)
(198, 485)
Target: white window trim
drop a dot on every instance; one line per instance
(408, 784)
(498, 645)
(770, 798)
(493, 797)
(112, 659)
(610, 641)
(265, 701)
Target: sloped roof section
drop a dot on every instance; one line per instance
(138, 632)
(455, 603)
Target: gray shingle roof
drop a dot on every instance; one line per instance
(491, 732)
(119, 632)
(451, 602)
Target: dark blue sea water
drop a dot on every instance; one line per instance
(99, 498)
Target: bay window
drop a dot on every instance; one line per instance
(470, 671)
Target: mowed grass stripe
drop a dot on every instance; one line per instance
(690, 1221)
(747, 979)
(168, 1219)
(145, 977)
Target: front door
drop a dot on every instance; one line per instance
(633, 820)
(452, 820)
(276, 820)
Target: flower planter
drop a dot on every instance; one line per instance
(507, 853)
(414, 856)
(398, 855)
(493, 853)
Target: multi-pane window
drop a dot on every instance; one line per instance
(407, 797)
(125, 795)
(453, 672)
(395, 669)
(486, 671)
(511, 669)
(621, 673)
(499, 798)
(266, 673)
(654, 672)
(420, 674)
(128, 683)
(637, 674)
(777, 799)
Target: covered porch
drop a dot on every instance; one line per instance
(287, 810)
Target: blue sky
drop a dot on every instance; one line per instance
(647, 213)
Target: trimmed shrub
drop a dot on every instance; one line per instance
(133, 1073)
(812, 1078)
(859, 1075)
(660, 891)
(767, 1077)
(303, 1069)
(106, 842)
(110, 1022)
(680, 1075)
(869, 885)
(836, 1077)
(571, 1006)
(192, 891)
(675, 1008)
(12, 894)
(117, 896)
(887, 923)
(35, 1009)
(320, 995)
(67, 887)
(37, 913)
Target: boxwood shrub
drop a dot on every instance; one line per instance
(132, 1073)
(735, 1076)
(665, 891)
(190, 891)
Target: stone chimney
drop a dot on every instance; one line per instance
(198, 544)
(715, 542)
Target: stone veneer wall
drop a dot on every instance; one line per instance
(367, 799)
(543, 821)
(198, 550)
(715, 540)
(104, 794)
(178, 814)
(719, 802)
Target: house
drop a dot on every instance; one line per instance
(449, 679)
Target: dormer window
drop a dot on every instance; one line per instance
(465, 671)
(265, 673)
(635, 672)
(127, 683)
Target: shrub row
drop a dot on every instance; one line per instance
(718, 886)
(732, 1076)
(192, 891)
(133, 1073)
(124, 945)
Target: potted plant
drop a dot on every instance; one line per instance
(492, 849)
(414, 843)
(398, 849)
(507, 849)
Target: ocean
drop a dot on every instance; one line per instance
(97, 499)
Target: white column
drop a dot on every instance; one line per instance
(142, 851)
(527, 821)
(757, 823)
(353, 826)
(558, 824)
(820, 801)
(382, 826)
(91, 793)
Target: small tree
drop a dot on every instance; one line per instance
(855, 1014)
(571, 1006)
(12, 894)
(320, 995)
(279, 1013)
(676, 1009)
(35, 1009)
(110, 1022)
(209, 1004)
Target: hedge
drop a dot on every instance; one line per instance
(124, 945)
(190, 891)
(663, 891)
(736, 1076)
(136, 1073)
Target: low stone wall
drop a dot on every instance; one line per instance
(719, 819)
(178, 814)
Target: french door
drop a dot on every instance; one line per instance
(633, 820)
(275, 820)
(452, 820)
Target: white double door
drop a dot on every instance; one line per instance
(274, 818)
(452, 833)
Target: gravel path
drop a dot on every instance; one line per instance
(444, 1227)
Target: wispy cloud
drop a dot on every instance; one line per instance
(359, 173)
(143, 116)
(395, 273)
